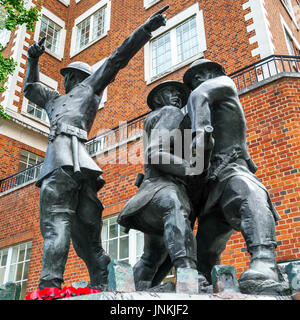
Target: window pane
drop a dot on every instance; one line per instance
(14, 256)
(2, 272)
(161, 54)
(124, 248)
(99, 23)
(187, 40)
(139, 244)
(113, 249)
(52, 32)
(83, 33)
(11, 275)
(19, 272)
(113, 231)
(4, 260)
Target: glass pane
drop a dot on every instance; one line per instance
(11, 275)
(124, 248)
(2, 272)
(26, 268)
(113, 249)
(4, 260)
(23, 291)
(28, 253)
(104, 235)
(139, 244)
(19, 272)
(113, 231)
(161, 54)
(122, 233)
(187, 41)
(21, 254)
(14, 255)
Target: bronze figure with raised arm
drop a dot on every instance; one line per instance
(69, 179)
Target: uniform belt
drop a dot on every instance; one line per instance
(69, 130)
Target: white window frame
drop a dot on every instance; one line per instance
(104, 95)
(132, 242)
(85, 15)
(172, 24)
(63, 31)
(290, 11)
(150, 3)
(28, 245)
(44, 79)
(65, 2)
(287, 30)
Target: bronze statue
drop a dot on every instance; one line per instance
(70, 179)
(231, 197)
(161, 208)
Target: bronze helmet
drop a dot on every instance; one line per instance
(197, 65)
(79, 66)
(179, 85)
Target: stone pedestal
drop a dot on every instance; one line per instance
(187, 281)
(293, 272)
(224, 279)
(120, 277)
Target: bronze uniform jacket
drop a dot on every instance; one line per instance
(78, 108)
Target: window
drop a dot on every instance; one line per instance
(290, 44)
(185, 42)
(177, 44)
(36, 112)
(28, 159)
(90, 26)
(90, 29)
(119, 245)
(14, 265)
(289, 7)
(52, 32)
(53, 28)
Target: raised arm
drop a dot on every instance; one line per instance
(33, 89)
(106, 74)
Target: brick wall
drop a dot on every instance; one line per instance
(272, 120)
(271, 113)
(10, 153)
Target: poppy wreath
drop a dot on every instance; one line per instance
(55, 293)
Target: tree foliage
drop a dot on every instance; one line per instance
(14, 13)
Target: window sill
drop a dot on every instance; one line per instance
(174, 68)
(27, 115)
(150, 4)
(55, 55)
(73, 54)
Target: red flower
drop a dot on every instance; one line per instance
(55, 293)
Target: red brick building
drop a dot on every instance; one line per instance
(257, 41)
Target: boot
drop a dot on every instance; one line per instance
(263, 264)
